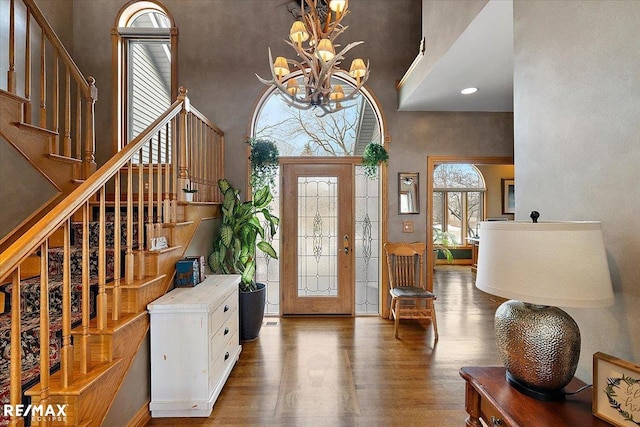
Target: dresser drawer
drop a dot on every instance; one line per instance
(223, 359)
(222, 312)
(221, 336)
(491, 415)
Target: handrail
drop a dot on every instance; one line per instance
(55, 41)
(29, 241)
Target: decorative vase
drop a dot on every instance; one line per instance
(188, 197)
(252, 312)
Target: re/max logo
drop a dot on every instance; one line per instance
(35, 410)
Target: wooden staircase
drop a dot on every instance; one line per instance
(98, 317)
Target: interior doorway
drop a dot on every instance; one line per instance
(432, 163)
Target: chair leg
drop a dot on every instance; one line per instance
(433, 319)
(397, 319)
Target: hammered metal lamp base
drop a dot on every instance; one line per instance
(539, 346)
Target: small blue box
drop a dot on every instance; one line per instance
(187, 273)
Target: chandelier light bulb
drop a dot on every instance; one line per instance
(280, 67)
(292, 87)
(325, 50)
(298, 33)
(337, 6)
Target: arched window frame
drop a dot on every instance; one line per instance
(121, 34)
(447, 193)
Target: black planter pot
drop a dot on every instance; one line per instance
(252, 312)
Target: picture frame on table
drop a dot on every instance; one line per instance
(508, 196)
(616, 390)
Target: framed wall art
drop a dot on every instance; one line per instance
(508, 196)
(616, 390)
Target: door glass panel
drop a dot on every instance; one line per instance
(267, 268)
(317, 236)
(367, 241)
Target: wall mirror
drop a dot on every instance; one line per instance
(408, 193)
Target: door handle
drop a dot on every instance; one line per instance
(345, 242)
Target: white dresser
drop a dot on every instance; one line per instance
(194, 346)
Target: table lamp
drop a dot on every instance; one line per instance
(540, 266)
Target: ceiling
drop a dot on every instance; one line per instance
(481, 57)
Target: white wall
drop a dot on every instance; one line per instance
(576, 121)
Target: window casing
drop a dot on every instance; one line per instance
(145, 53)
(458, 201)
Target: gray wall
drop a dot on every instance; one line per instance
(576, 110)
(223, 43)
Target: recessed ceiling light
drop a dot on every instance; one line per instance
(469, 90)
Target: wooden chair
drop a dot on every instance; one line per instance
(409, 296)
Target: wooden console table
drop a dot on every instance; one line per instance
(490, 398)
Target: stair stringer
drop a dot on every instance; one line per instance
(35, 144)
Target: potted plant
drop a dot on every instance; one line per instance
(374, 154)
(442, 241)
(264, 162)
(234, 250)
(189, 191)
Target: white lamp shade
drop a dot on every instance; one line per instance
(547, 263)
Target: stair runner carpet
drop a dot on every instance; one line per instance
(30, 305)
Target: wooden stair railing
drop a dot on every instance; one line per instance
(64, 98)
(181, 148)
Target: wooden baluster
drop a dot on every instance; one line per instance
(66, 354)
(101, 317)
(88, 159)
(85, 349)
(44, 325)
(141, 271)
(66, 145)
(55, 108)
(183, 173)
(220, 167)
(129, 259)
(150, 228)
(166, 204)
(15, 391)
(78, 126)
(27, 68)
(174, 169)
(11, 73)
(117, 230)
(43, 85)
(160, 212)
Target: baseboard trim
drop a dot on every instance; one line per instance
(142, 417)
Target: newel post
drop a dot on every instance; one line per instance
(89, 158)
(183, 145)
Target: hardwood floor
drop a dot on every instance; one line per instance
(352, 372)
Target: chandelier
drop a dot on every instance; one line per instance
(313, 37)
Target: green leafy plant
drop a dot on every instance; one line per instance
(264, 162)
(374, 154)
(442, 241)
(189, 189)
(234, 250)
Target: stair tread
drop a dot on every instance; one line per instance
(137, 283)
(80, 382)
(162, 251)
(112, 325)
(176, 224)
(63, 158)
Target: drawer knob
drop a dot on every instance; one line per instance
(226, 355)
(226, 330)
(226, 308)
(495, 422)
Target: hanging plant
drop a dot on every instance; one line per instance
(264, 163)
(373, 155)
